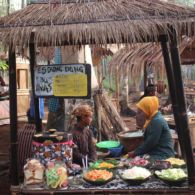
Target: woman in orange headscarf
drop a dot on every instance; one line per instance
(157, 137)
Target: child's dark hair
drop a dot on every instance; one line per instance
(149, 91)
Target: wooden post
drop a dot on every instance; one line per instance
(145, 75)
(13, 118)
(38, 121)
(117, 87)
(171, 81)
(98, 110)
(183, 127)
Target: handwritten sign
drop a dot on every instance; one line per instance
(70, 85)
(67, 80)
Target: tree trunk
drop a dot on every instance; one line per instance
(22, 4)
(125, 87)
(8, 7)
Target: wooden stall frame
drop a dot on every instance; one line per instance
(179, 107)
(173, 68)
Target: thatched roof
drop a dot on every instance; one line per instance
(130, 60)
(99, 22)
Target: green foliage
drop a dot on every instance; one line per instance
(3, 65)
(106, 85)
(187, 2)
(5, 7)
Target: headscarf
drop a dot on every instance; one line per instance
(149, 105)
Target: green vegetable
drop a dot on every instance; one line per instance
(96, 164)
(171, 174)
(3, 65)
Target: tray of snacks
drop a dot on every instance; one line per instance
(51, 135)
(135, 175)
(104, 164)
(139, 161)
(176, 162)
(98, 176)
(172, 176)
(160, 164)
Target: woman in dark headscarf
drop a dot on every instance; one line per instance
(82, 135)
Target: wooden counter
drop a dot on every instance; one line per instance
(189, 191)
(116, 186)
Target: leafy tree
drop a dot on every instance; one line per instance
(5, 7)
(187, 2)
(3, 65)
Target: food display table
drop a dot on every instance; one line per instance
(117, 186)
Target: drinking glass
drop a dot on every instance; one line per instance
(75, 179)
(69, 136)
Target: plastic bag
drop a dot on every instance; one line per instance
(56, 175)
(33, 172)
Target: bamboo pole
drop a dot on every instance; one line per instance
(98, 110)
(117, 86)
(13, 118)
(38, 121)
(183, 127)
(145, 75)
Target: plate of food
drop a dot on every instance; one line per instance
(176, 162)
(52, 131)
(98, 176)
(172, 176)
(139, 161)
(104, 164)
(135, 175)
(160, 165)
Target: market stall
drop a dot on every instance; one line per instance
(57, 23)
(136, 175)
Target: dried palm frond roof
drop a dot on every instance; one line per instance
(99, 22)
(134, 57)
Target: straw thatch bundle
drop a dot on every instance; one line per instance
(98, 22)
(130, 60)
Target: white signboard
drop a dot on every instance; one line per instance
(67, 80)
